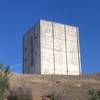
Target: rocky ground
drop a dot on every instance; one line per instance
(54, 87)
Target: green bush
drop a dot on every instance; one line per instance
(4, 84)
(94, 94)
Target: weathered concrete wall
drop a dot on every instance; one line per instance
(72, 50)
(26, 56)
(59, 49)
(36, 47)
(53, 48)
(46, 39)
(32, 50)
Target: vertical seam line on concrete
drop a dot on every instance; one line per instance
(28, 52)
(40, 46)
(33, 47)
(78, 46)
(53, 46)
(30, 49)
(23, 56)
(66, 49)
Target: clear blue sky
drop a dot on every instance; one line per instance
(16, 16)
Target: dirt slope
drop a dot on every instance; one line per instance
(56, 87)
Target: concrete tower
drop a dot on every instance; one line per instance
(51, 48)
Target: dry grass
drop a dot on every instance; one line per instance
(54, 87)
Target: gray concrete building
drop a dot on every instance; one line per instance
(51, 48)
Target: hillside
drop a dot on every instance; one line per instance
(44, 87)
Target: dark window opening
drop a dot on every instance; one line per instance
(35, 37)
(25, 48)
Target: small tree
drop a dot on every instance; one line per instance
(4, 84)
